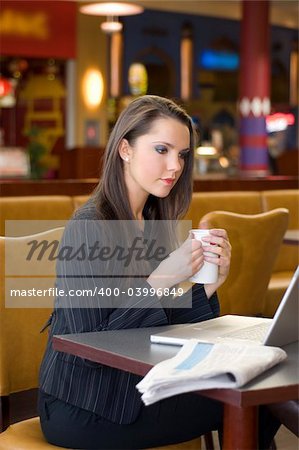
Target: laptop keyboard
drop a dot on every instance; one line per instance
(254, 333)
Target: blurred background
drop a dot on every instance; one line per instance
(66, 73)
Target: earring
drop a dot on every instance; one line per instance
(126, 158)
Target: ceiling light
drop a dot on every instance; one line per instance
(112, 10)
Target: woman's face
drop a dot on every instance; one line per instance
(156, 160)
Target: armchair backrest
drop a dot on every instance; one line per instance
(242, 202)
(38, 208)
(23, 316)
(255, 240)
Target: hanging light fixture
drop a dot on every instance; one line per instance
(111, 25)
(112, 10)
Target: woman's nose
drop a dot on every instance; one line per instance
(174, 163)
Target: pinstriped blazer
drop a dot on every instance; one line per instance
(109, 392)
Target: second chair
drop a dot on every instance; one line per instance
(255, 240)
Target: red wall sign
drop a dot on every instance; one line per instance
(38, 28)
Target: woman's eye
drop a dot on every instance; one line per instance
(161, 148)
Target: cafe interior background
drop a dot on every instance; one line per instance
(65, 75)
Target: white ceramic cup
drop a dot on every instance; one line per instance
(209, 272)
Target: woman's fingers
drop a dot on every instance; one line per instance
(194, 254)
(218, 244)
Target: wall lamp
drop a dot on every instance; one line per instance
(92, 88)
(112, 10)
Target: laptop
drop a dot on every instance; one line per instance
(279, 331)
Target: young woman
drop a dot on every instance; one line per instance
(146, 181)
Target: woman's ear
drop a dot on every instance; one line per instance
(124, 150)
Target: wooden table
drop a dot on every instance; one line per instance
(291, 237)
(131, 350)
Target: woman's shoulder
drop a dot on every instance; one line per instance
(84, 220)
(88, 211)
(84, 225)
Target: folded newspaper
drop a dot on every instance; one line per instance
(207, 366)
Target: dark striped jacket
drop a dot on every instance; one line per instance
(109, 392)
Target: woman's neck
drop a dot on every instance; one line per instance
(137, 208)
(138, 216)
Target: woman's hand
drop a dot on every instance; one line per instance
(219, 245)
(180, 265)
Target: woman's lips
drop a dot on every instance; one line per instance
(168, 181)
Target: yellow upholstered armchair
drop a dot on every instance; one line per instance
(21, 343)
(256, 240)
(40, 208)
